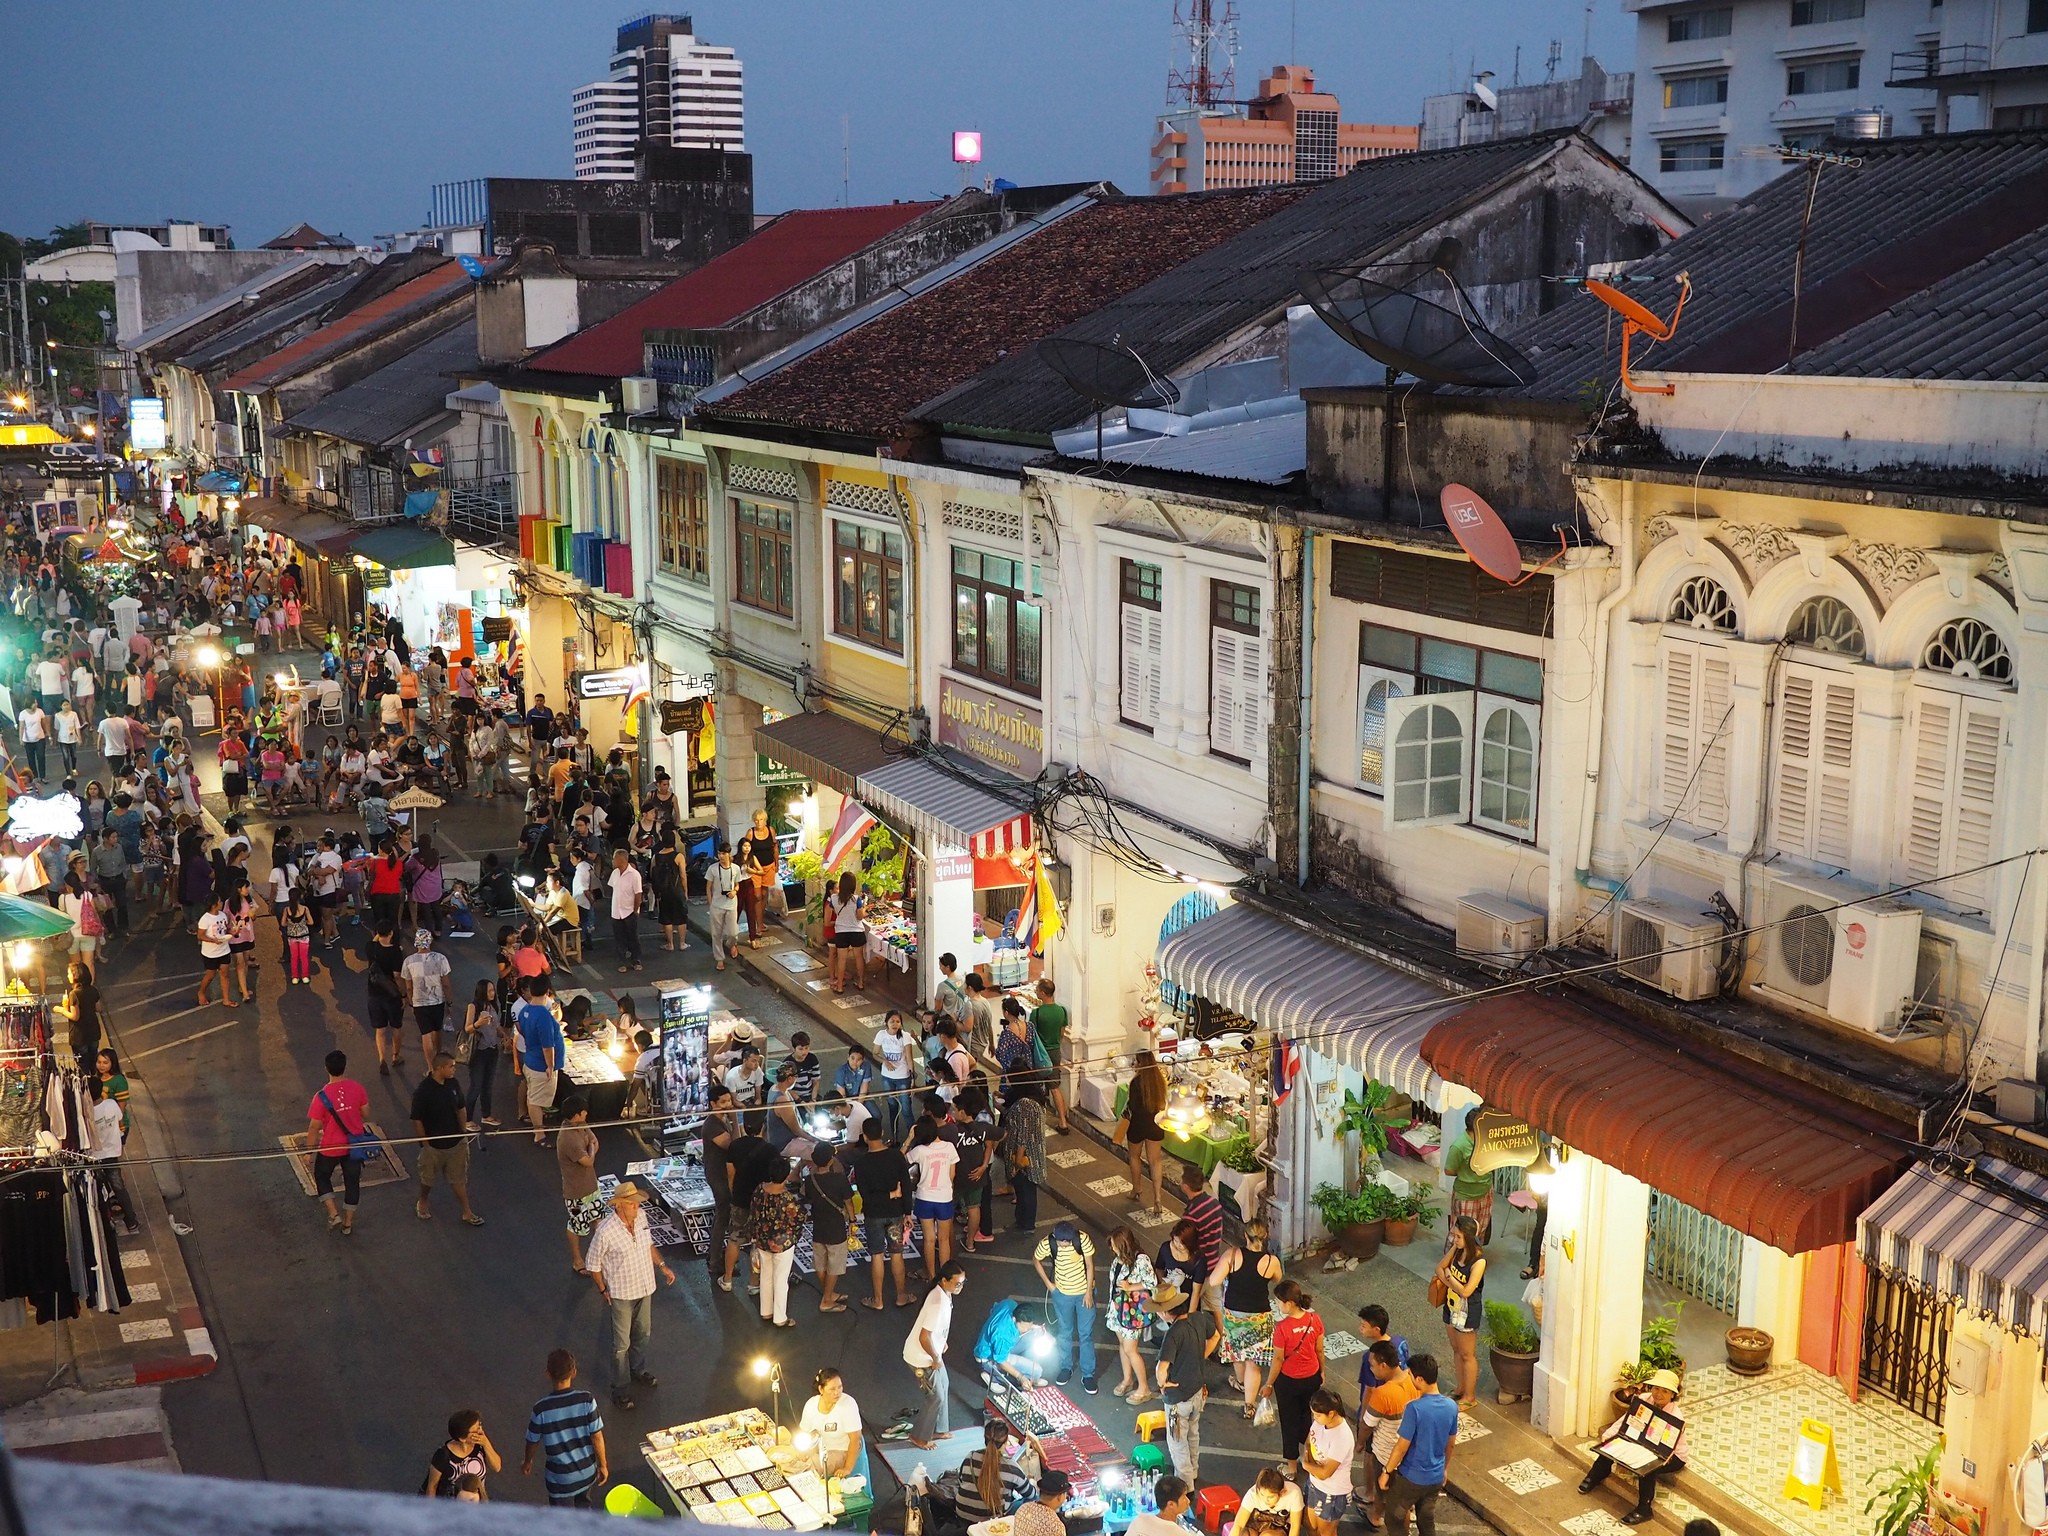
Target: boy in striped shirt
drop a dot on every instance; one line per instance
(570, 1431)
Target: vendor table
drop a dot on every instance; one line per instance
(601, 1080)
(1203, 1148)
(730, 1470)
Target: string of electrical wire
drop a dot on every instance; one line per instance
(1370, 1021)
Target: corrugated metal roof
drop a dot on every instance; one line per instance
(1335, 1001)
(268, 320)
(235, 298)
(869, 381)
(1918, 231)
(1760, 1157)
(774, 259)
(385, 406)
(1208, 296)
(1267, 450)
(438, 285)
(1965, 1240)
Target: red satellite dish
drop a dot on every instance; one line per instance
(1638, 318)
(1483, 536)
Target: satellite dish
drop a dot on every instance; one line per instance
(1422, 328)
(1485, 538)
(1639, 317)
(1108, 375)
(1484, 93)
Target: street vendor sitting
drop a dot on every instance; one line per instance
(1648, 1440)
(1011, 1343)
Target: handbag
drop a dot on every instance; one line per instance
(1439, 1291)
(1120, 1133)
(362, 1145)
(465, 1046)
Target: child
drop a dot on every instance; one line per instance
(297, 922)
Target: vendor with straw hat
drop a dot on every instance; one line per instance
(1648, 1440)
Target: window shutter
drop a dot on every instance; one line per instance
(1428, 759)
(1507, 744)
(1377, 688)
(1694, 727)
(1814, 811)
(1237, 693)
(1952, 795)
(1143, 634)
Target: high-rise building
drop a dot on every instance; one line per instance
(667, 88)
(1289, 132)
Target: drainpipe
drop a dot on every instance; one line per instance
(913, 585)
(1603, 655)
(1306, 567)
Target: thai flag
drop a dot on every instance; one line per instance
(1286, 1063)
(847, 832)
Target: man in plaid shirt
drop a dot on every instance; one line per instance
(622, 1260)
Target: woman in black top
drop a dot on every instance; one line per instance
(761, 859)
(82, 1007)
(387, 1000)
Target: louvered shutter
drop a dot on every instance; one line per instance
(1233, 711)
(1813, 810)
(1692, 777)
(1143, 643)
(1951, 795)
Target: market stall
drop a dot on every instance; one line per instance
(740, 1469)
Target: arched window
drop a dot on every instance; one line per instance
(1429, 780)
(1506, 778)
(1703, 603)
(594, 478)
(540, 466)
(1827, 624)
(1968, 648)
(614, 476)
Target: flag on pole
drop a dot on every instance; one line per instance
(1286, 1065)
(847, 832)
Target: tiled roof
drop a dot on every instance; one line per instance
(386, 405)
(288, 276)
(1907, 256)
(1193, 303)
(798, 245)
(434, 287)
(868, 382)
(304, 237)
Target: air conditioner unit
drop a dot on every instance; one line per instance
(1855, 963)
(1496, 931)
(1670, 948)
(639, 397)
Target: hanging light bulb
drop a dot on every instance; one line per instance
(1541, 1175)
(1185, 1111)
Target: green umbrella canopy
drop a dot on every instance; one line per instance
(22, 919)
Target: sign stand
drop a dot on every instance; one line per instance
(1814, 1469)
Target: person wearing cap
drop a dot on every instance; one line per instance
(424, 978)
(1649, 1423)
(1041, 1516)
(622, 1260)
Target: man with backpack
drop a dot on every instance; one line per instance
(1071, 1284)
(334, 1124)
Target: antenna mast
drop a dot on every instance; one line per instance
(1202, 82)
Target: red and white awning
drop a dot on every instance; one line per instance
(947, 808)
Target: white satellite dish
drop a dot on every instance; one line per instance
(1483, 93)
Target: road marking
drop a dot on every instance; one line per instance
(156, 981)
(169, 1018)
(174, 1044)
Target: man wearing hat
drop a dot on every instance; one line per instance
(1656, 1424)
(1191, 1338)
(622, 1260)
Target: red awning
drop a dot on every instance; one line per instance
(1762, 1154)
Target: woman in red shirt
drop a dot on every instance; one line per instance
(1298, 1361)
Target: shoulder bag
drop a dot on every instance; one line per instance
(362, 1145)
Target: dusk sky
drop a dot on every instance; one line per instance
(259, 113)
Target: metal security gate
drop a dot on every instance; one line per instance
(1905, 1343)
(1694, 1253)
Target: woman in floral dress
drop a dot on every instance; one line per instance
(1131, 1283)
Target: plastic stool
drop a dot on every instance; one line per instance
(1149, 1421)
(1148, 1458)
(626, 1500)
(1215, 1505)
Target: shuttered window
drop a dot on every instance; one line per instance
(1953, 742)
(1142, 644)
(1813, 800)
(1237, 673)
(1692, 735)
(1444, 588)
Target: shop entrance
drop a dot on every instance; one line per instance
(1692, 1276)
(1905, 1343)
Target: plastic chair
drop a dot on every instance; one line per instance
(1215, 1505)
(630, 1503)
(1148, 1422)
(1148, 1458)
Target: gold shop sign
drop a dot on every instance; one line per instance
(1001, 733)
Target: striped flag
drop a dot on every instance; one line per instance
(852, 826)
(1039, 918)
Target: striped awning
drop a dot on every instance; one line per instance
(1331, 999)
(831, 749)
(1981, 1242)
(944, 806)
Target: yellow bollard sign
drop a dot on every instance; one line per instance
(1814, 1469)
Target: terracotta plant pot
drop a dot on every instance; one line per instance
(1749, 1351)
(1362, 1239)
(1401, 1233)
(1515, 1374)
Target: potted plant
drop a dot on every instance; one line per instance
(1513, 1344)
(804, 870)
(1356, 1220)
(1749, 1350)
(1902, 1494)
(1658, 1351)
(1360, 1117)
(1410, 1211)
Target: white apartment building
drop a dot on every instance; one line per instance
(1987, 61)
(1722, 85)
(667, 87)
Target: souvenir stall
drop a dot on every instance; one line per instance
(743, 1469)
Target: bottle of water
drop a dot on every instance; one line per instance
(920, 1479)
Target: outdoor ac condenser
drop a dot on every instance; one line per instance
(1496, 931)
(1674, 950)
(1831, 947)
(638, 397)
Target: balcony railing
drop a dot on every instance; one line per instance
(484, 511)
(1926, 67)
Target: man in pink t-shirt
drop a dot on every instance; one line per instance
(336, 1114)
